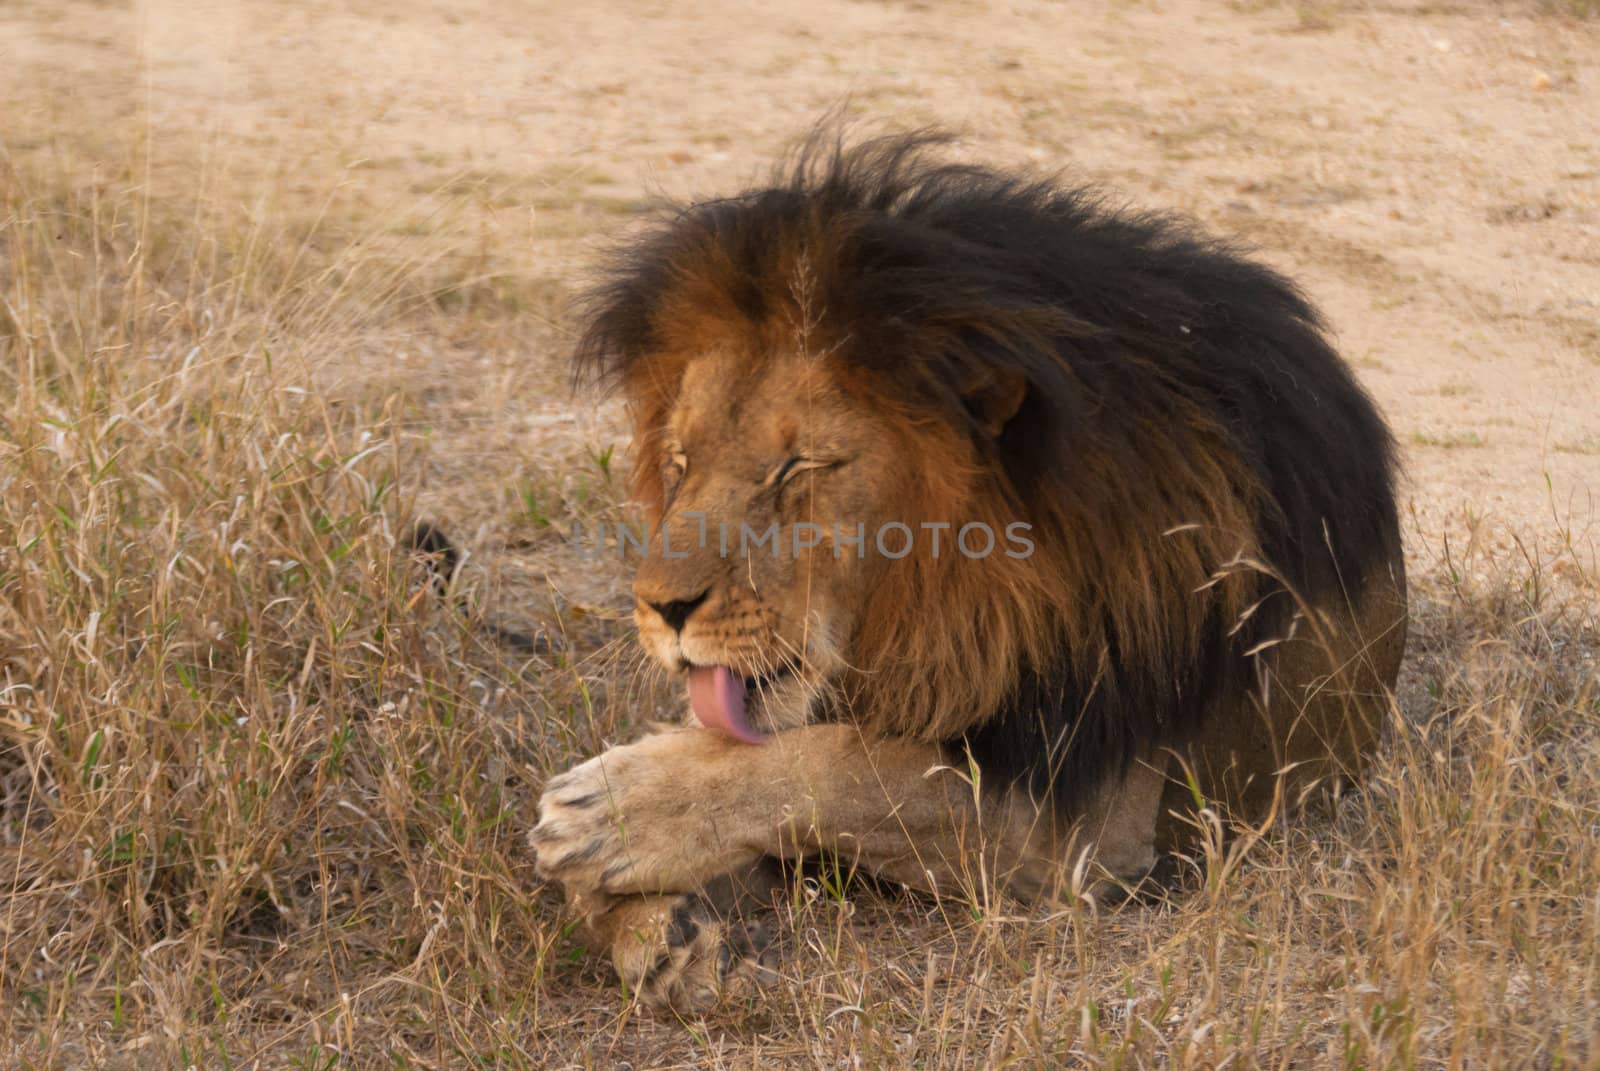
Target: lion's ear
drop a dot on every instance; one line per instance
(993, 397)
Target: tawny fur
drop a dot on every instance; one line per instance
(1215, 604)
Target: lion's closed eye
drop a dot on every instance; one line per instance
(782, 477)
(796, 465)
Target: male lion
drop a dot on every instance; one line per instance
(1193, 585)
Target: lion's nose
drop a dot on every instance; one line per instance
(676, 612)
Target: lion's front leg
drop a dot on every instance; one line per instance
(643, 836)
(675, 810)
(667, 846)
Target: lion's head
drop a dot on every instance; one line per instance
(798, 494)
(892, 351)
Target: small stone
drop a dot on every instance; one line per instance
(1541, 82)
(1320, 122)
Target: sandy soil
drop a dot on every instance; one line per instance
(1430, 172)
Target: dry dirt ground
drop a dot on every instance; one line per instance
(1431, 172)
(395, 200)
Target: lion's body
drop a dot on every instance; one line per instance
(1215, 569)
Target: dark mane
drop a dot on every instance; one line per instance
(1171, 383)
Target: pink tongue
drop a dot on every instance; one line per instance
(717, 697)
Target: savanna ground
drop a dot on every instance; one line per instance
(276, 278)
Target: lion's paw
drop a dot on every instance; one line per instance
(678, 954)
(636, 821)
(581, 832)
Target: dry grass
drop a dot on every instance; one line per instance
(1453, 440)
(263, 798)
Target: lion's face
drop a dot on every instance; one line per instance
(740, 461)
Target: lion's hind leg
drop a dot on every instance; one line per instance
(1119, 830)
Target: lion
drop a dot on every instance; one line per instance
(1193, 593)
